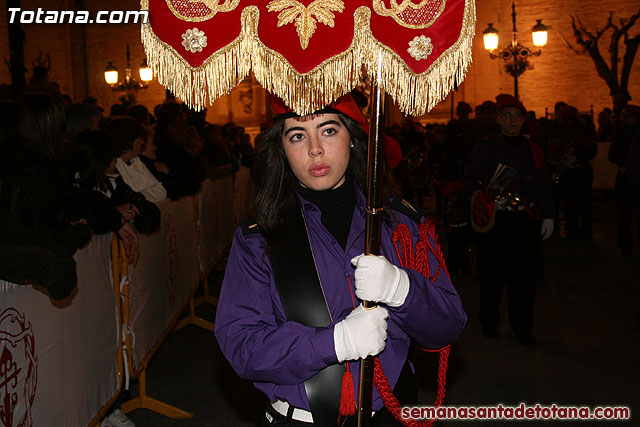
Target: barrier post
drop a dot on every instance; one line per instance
(192, 318)
(143, 400)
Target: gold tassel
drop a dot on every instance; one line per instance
(308, 92)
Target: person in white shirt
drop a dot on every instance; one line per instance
(132, 137)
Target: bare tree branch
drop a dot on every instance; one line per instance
(630, 23)
(627, 63)
(572, 47)
(587, 42)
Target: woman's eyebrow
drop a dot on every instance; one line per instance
(299, 128)
(295, 128)
(328, 122)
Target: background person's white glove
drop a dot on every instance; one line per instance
(362, 333)
(547, 228)
(380, 281)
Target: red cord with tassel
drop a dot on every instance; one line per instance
(419, 261)
(347, 395)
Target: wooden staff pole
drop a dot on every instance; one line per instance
(375, 174)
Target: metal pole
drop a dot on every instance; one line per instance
(373, 224)
(514, 49)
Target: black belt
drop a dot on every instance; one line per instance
(303, 300)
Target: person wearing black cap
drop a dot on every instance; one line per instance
(521, 194)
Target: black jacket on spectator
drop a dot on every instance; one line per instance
(29, 256)
(186, 173)
(170, 182)
(100, 209)
(34, 196)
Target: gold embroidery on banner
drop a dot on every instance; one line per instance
(293, 10)
(194, 40)
(199, 86)
(411, 15)
(303, 92)
(420, 47)
(413, 93)
(194, 8)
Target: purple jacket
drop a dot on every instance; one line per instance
(279, 355)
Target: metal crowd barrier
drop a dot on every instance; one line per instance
(65, 363)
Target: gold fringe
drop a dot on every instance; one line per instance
(308, 92)
(414, 93)
(199, 86)
(303, 92)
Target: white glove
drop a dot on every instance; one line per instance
(380, 281)
(363, 333)
(547, 228)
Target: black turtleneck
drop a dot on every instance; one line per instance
(336, 208)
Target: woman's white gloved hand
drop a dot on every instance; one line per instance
(380, 281)
(362, 333)
(547, 228)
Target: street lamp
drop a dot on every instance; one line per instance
(515, 56)
(129, 86)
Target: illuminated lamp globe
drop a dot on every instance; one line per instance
(111, 74)
(490, 38)
(539, 34)
(146, 73)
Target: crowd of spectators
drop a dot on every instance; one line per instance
(69, 172)
(436, 157)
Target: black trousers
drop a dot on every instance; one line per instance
(507, 256)
(406, 391)
(575, 185)
(626, 199)
(458, 259)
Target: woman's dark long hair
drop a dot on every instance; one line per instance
(275, 181)
(15, 131)
(48, 118)
(15, 128)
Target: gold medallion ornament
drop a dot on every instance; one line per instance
(200, 10)
(411, 15)
(420, 47)
(326, 63)
(194, 40)
(305, 17)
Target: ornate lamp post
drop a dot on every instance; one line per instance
(516, 55)
(129, 86)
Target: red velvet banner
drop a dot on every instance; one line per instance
(309, 36)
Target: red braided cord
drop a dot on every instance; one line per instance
(390, 401)
(443, 365)
(419, 261)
